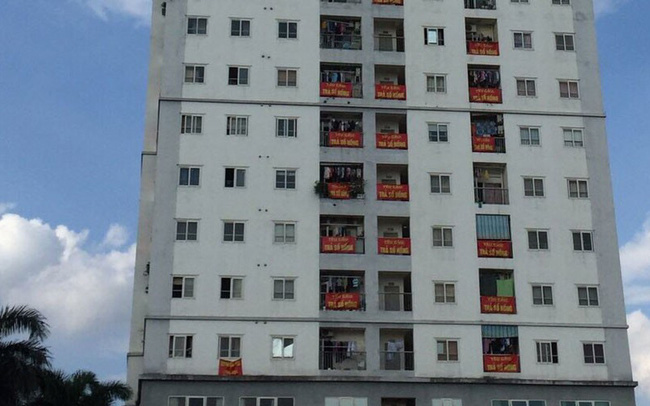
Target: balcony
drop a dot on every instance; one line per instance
(484, 84)
(481, 4)
(393, 182)
(490, 184)
(342, 350)
(390, 82)
(342, 130)
(340, 33)
(500, 349)
(340, 181)
(395, 292)
(481, 37)
(341, 81)
(493, 236)
(395, 236)
(488, 133)
(389, 35)
(391, 131)
(342, 291)
(497, 290)
(341, 235)
(397, 350)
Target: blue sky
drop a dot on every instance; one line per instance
(72, 90)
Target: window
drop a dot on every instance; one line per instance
(440, 183)
(285, 233)
(573, 137)
(447, 350)
(594, 353)
(240, 28)
(195, 401)
(529, 135)
(194, 74)
(191, 124)
(282, 347)
(237, 125)
(569, 89)
(233, 231)
(588, 296)
(442, 237)
(564, 42)
(231, 288)
(235, 177)
(287, 77)
(434, 36)
(547, 352)
(180, 346)
(526, 87)
(543, 295)
(264, 401)
(283, 289)
(286, 127)
(197, 25)
(437, 83)
(584, 402)
(238, 75)
(187, 230)
(189, 176)
(519, 402)
(444, 292)
(523, 40)
(447, 402)
(229, 347)
(563, 3)
(287, 29)
(521, 2)
(438, 132)
(346, 401)
(538, 240)
(285, 178)
(182, 287)
(578, 188)
(582, 241)
(534, 187)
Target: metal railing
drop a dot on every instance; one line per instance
(396, 360)
(487, 195)
(396, 302)
(390, 43)
(340, 41)
(341, 359)
(482, 4)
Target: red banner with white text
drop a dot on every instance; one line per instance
(338, 190)
(393, 192)
(501, 363)
(394, 2)
(483, 48)
(230, 367)
(342, 301)
(494, 249)
(335, 89)
(338, 245)
(484, 95)
(390, 92)
(498, 304)
(394, 246)
(392, 141)
(345, 139)
(483, 144)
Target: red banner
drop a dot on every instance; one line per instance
(394, 246)
(230, 368)
(340, 245)
(484, 95)
(501, 363)
(494, 249)
(395, 2)
(498, 304)
(390, 92)
(345, 139)
(342, 301)
(392, 192)
(392, 141)
(338, 190)
(483, 48)
(335, 89)
(483, 144)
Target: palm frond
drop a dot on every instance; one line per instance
(23, 319)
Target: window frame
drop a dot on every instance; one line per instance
(442, 190)
(569, 94)
(564, 46)
(440, 36)
(544, 301)
(553, 352)
(580, 194)
(436, 77)
(231, 292)
(588, 289)
(529, 140)
(287, 82)
(572, 143)
(523, 35)
(445, 296)
(593, 345)
(535, 190)
(282, 356)
(444, 238)
(284, 185)
(234, 223)
(183, 290)
(285, 238)
(287, 127)
(238, 81)
(240, 30)
(561, 2)
(537, 232)
(288, 30)
(229, 350)
(187, 233)
(236, 171)
(195, 123)
(195, 77)
(237, 125)
(219, 399)
(285, 293)
(528, 92)
(447, 354)
(188, 345)
(438, 132)
(582, 234)
(259, 398)
(190, 169)
(197, 25)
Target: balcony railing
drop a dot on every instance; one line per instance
(390, 91)
(486, 48)
(494, 248)
(481, 4)
(341, 89)
(343, 301)
(339, 358)
(396, 302)
(488, 195)
(340, 41)
(342, 245)
(501, 363)
(394, 246)
(389, 43)
(489, 144)
(396, 360)
(393, 192)
(343, 139)
(499, 304)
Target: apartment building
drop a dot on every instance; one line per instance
(376, 203)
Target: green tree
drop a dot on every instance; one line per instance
(81, 388)
(22, 353)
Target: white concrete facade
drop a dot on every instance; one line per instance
(256, 316)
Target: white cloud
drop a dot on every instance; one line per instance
(602, 7)
(85, 295)
(635, 264)
(116, 236)
(639, 334)
(138, 9)
(5, 207)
